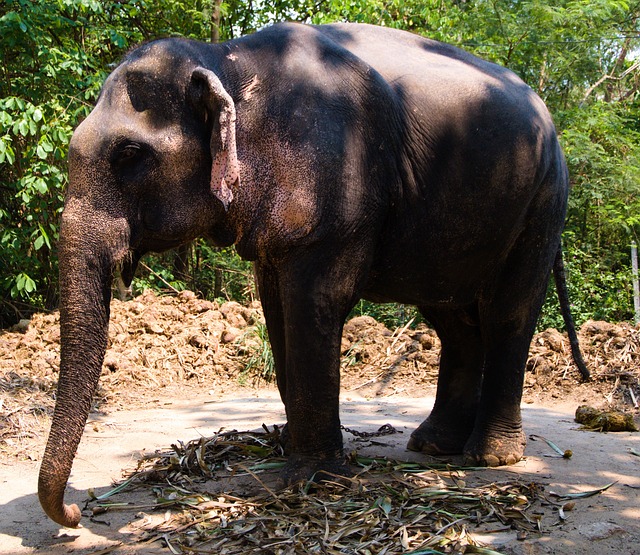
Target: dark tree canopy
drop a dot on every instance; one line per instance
(581, 56)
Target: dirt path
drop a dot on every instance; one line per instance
(606, 524)
(174, 371)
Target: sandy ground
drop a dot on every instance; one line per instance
(166, 354)
(608, 523)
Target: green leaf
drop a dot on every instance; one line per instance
(22, 128)
(29, 285)
(6, 153)
(40, 185)
(584, 494)
(384, 503)
(25, 283)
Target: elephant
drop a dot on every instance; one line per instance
(346, 161)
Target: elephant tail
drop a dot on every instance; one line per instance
(563, 296)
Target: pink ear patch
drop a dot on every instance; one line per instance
(224, 168)
(223, 177)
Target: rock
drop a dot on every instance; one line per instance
(22, 326)
(592, 327)
(427, 341)
(233, 313)
(553, 338)
(152, 327)
(600, 530)
(186, 296)
(198, 341)
(230, 335)
(539, 365)
(110, 362)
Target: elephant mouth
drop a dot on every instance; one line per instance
(129, 265)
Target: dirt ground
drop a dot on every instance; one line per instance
(179, 367)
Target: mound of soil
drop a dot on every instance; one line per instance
(162, 342)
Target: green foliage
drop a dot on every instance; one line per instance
(158, 278)
(580, 55)
(43, 91)
(601, 142)
(222, 274)
(239, 18)
(392, 315)
(601, 146)
(56, 54)
(260, 362)
(215, 274)
(596, 292)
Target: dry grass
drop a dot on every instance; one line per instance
(389, 507)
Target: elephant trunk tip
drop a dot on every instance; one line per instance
(68, 516)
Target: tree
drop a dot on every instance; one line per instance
(582, 56)
(56, 55)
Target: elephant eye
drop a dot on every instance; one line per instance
(128, 152)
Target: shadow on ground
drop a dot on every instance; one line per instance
(604, 524)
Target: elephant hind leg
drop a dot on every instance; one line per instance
(451, 422)
(498, 438)
(508, 315)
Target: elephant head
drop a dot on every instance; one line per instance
(153, 165)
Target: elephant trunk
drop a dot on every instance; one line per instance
(91, 244)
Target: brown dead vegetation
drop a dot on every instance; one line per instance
(157, 342)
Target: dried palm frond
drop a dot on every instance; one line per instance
(389, 507)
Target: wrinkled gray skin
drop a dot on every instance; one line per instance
(348, 162)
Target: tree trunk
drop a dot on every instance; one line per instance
(215, 20)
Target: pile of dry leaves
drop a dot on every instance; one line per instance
(387, 507)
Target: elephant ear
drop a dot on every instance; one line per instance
(219, 106)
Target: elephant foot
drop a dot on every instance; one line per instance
(305, 468)
(501, 449)
(433, 439)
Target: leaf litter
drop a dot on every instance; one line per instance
(387, 507)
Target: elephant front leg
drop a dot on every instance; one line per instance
(305, 320)
(311, 397)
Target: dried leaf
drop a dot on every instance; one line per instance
(392, 507)
(567, 454)
(582, 495)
